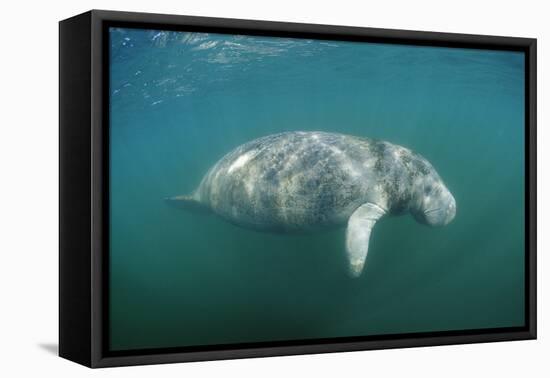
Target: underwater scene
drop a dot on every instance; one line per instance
(218, 237)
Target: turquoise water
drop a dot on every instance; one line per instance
(180, 101)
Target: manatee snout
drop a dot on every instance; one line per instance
(444, 213)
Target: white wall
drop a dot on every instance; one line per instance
(28, 200)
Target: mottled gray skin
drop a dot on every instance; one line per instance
(307, 181)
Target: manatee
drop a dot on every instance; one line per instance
(309, 181)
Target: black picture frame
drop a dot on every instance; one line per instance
(84, 195)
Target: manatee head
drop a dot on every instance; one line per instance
(434, 204)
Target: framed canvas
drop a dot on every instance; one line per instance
(235, 188)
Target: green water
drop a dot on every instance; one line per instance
(180, 101)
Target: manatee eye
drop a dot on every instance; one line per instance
(428, 189)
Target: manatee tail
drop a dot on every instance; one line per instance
(187, 202)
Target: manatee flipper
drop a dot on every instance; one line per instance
(360, 225)
(188, 202)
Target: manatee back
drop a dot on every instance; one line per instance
(290, 181)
